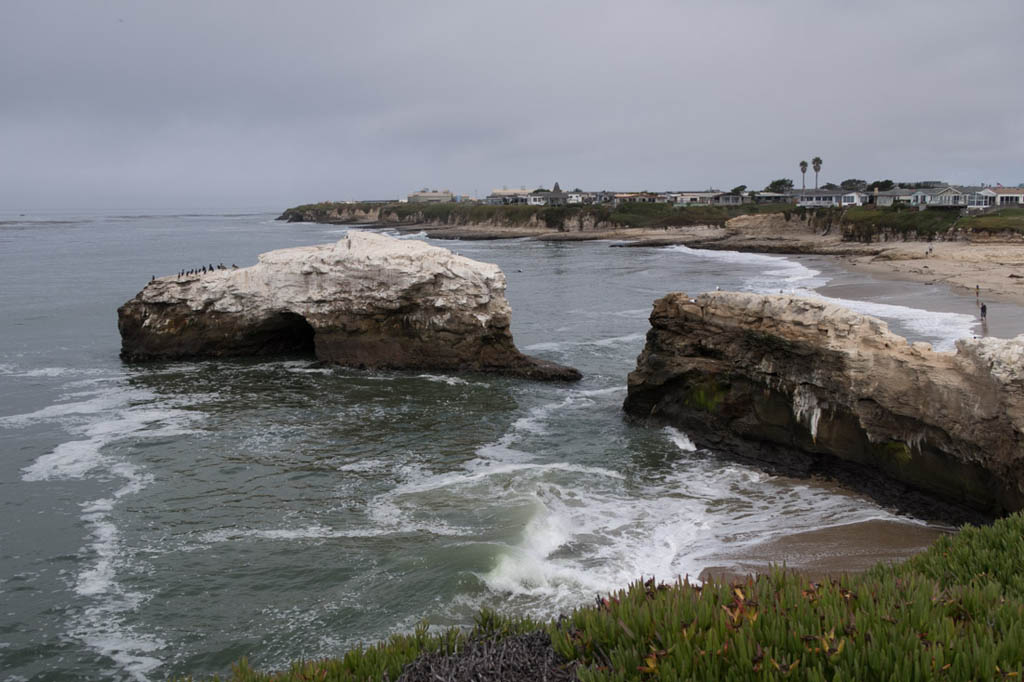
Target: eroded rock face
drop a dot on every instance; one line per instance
(791, 378)
(367, 301)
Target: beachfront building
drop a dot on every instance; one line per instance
(771, 198)
(703, 198)
(635, 198)
(1007, 196)
(947, 196)
(431, 196)
(818, 198)
(507, 197)
(542, 197)
(726, 199)
(891, 197)
(578, 196)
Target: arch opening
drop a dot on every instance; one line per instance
(285, 334)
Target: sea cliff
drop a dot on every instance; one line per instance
(816, 387)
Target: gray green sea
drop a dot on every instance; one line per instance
(171, 518)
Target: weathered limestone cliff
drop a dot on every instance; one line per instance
(367, 301)
(791, 379)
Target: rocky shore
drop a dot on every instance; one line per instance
(814, 388)
(367, 301)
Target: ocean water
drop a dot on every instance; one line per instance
(171, 518)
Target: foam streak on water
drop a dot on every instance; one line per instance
(100, 418)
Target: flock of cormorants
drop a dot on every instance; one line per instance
(205, 269)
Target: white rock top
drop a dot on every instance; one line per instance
(364, 271)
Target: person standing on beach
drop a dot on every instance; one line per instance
(984, 312)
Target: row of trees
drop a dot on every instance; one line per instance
(816, 164)
(783, 185)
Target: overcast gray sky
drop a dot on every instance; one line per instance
(181, 103)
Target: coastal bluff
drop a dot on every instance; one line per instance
(816, 388)
(367, 301)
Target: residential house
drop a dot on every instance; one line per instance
(542, 197)
(505, 196)
(635, 198)
(947, 196)
(819, 198)
(578, 196)
(726, 199)
(431, 196)
(771, 198)
(977, 198)
(889, 197)
(703, 198)
(1008, 196)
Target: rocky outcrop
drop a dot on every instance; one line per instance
(335, 214)
(367, 301)
(806, 383)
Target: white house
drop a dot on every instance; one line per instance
(431, 196)
(820, 198)
(695, 198)
(1008, 196)
(889, 197)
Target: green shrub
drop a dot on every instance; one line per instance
(1000, 220)
(866, 223)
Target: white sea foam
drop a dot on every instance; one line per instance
(76, 458)
(680, 439)
(101, 402)
(605, 343)
(781, 274)
(310, 532)
(106, 415)
(941, 329)
(441, 379)
(597, 537)
(778, 272)
(534, 422)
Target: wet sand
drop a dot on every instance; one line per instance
(818, 554)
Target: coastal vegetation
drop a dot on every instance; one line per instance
(954, 612)
(868, 223)
(625, 215)
(858, 223)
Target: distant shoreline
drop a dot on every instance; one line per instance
(996, 266)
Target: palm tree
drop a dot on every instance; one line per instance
(816, 164)
(803, 173)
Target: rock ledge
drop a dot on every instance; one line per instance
(799, 380)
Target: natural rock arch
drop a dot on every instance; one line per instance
(367, 301)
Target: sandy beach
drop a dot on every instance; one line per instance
(984, 270)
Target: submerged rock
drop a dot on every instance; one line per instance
(807, 383)
(367, 301)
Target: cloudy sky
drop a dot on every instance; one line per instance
(252, 103)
